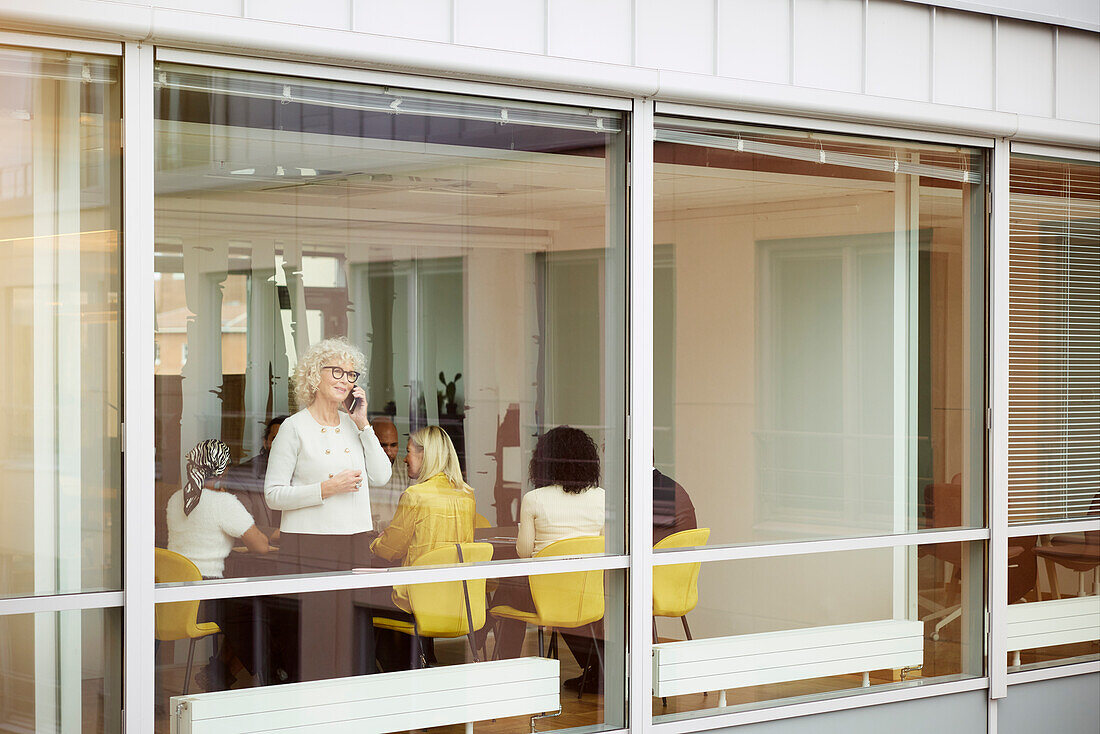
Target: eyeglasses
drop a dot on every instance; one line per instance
(339, 373)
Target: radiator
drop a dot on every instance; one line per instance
(1054, 622)
(386, 702)
(718, 663)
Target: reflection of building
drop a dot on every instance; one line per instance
(830, 264)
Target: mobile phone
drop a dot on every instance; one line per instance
(352, 402)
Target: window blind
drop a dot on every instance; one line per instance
(1054, 340)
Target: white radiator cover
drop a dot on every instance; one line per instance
(694, 666)
(386, 702)
(1053, 622)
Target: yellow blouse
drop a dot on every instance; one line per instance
(429, 515)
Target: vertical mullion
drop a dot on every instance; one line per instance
(137, 370)
(641, 415)
(997, 426)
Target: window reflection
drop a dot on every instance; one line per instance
(468, 251)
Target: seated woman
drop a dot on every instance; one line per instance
(438, 510)
(567, 503)
(202, 525)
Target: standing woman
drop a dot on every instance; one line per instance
(321, 467)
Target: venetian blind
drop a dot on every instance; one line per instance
(1054, 340)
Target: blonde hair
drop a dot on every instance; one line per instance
(325, 353)
(439, 456)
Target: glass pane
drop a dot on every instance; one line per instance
(470, 251)
(1054, 341)
(819, 306)
(298, 645)
(60, 449)
(61, 672)
(809, 627)
(1054, 599)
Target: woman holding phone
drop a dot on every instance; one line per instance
(321, 467)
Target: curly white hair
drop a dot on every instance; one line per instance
(325, 353)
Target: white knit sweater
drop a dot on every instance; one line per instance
(550, 513)
(206, 535)
(303, 455)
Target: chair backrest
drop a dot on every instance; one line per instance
(676, 587)
(570, 599)
(480, 521)
(175, 620)
(440, 607)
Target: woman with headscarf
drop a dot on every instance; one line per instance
(203, 522)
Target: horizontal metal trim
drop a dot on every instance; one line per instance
(1053, 527)
(384, 78)
(387, 577)
(61, 602)
(1090, 155)
(59, 43)
(1054, 671)
(776, 710)
(805, 547)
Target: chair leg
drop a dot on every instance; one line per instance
(542, 653)
(655, 640)
(584, 672)
(687, 630)
(552, 651)
(473, 646)
(190, 660)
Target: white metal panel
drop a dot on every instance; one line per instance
(771, 657)
(898, 49)
(1075, 13)
(384, 702)
(1078, 76)
(677, 36)
(218, 7)
(1025, 68)
(428, 20)
(335, 14)
(502, 24)
(595, 30)
(828, 44)
(962, 57)
(754, 40)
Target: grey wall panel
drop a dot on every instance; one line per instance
(1063, 705)
(961, 713)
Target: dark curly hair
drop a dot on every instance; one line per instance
(566, 456)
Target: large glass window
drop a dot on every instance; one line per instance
(807, 627)
(819, 349)
(60, 450)
(470, 251)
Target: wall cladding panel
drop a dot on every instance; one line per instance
(754, 40)
(596, 30)
(1078, 73)
(320, 13)
(215, 7)
(678, 36)
(828, 44)
(427, 20)
(962, 56)
(1025, 68)
(898, 49)
(503, 24)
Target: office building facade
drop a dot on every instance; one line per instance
(818, 279)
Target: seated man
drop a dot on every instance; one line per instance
(384, 499)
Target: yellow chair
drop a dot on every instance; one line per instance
(566, 600)
(480, 521)
(445, 608)
(178, 620)
(676, 587)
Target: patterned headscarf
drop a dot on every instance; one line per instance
(208, 459)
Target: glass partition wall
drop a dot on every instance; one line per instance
(469, 256)
(819, 361)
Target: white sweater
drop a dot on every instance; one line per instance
(550, 513)
(206, 535)
(303, 455)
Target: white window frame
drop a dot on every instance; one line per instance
(139, 593)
